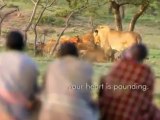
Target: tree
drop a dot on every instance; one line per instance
(62, 32)
(116, 4)
(142, 9)
(76, 9)
(118, 19)
(5, 15)
(154, 8)
(36, 3)
(41, 6)
(91, 10)
(118, 9)
(48, 4)
(122, 10)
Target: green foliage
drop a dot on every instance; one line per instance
(22, 4)
(15, 1)
(135, 2)
(154, 8)
(59, 22)
(91, 7)
(11, 5)
(47, 20)
(51, 20)
(62, 12)
(77, 3)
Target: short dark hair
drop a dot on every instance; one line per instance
(68, 49)
(143, 51)
(15, 41)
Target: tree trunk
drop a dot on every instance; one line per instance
(122, 12)
(118, 20)
(137, 15)
(38, 20)
(1, 27)
(31, 19)
(35, 30)
(110, 10)
(117, 15)
(91, 23)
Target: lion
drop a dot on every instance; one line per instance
(108, 38)
(48, 45)
(87, 38)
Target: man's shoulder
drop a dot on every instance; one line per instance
(70, 59)
(17, 58)
(70, 63)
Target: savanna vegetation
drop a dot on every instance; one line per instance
(43, 20)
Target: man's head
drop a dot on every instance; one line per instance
(15, 41)
(68, 49)
(138, 52)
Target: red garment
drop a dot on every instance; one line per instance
(126, 102)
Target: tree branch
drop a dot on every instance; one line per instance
(127, 3)
(37, 22)
(142, 9)
(49, 5)
(3, 18)
(35, 29)
(62, 32)
(3, 1)
(66, 26)
(3, 6)
(31, 19)
(33, 1)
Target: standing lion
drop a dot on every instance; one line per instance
(109, 39)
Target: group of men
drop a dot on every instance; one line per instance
(21, 98)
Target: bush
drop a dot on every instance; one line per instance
(59, 22)
(62, 12)
(50, 20)
(47, 20)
